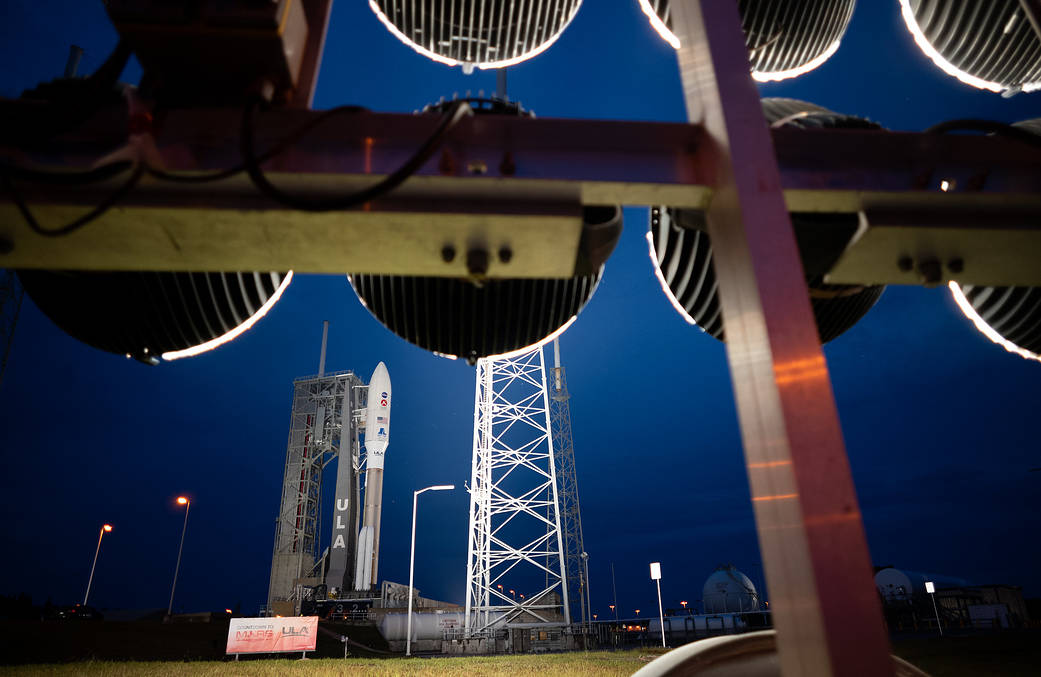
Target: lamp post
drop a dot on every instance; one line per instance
(412, 559)
(931, 589)
(181, 500)
(656, 577)
(104, 528)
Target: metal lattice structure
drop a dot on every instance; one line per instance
(11, 294)
(315, 440)
(576, 560)
(516, 541)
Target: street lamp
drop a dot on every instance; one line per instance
(104, 528)
(181, 500)
(656, 577)
(931, 589)
(412, 559)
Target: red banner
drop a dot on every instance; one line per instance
(272, 635)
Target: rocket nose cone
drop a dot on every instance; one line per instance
(380, 372)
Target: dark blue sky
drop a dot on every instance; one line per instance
(940, 424)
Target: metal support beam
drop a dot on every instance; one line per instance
(817, 565)
(532, 203)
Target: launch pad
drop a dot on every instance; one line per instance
(330, 416)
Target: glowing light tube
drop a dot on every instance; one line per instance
(966, 307)
(945, 65)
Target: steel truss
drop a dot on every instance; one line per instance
(315, 425)
(575, 557)
(515, 530)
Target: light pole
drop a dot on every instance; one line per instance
(931, 589)
(656, 576)
(181, 500)
(412, 559)
(104, 528)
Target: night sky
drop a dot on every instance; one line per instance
(940, 424)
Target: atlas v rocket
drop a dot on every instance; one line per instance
(377, 437)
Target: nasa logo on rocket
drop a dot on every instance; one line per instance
(377, 416)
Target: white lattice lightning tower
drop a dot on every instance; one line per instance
(515, 560)
(575, 557)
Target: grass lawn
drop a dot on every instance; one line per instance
(1011, 654)
(588, 664)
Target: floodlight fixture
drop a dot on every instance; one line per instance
(1008, 316)
(477, 33)
(682, 259)
(785, 38)
(153, 315)
(993, 45)
(480, 316)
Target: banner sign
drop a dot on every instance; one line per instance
(272, 635)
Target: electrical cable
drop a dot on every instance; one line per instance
(448, 122)
(93, 214)
(975, 125)
(277, 149)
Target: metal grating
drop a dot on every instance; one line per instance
(459, 318)
(991, 45)
(147, 314)
(682, 251)
(1013, 312)
(486, 33)
(784, 37)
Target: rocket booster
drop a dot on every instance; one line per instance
(377, 436)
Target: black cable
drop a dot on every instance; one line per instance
(448, 122)
(93, 214)
(992, 126)
(277, 149)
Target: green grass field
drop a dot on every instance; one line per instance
(1005, 655)
(588, 664)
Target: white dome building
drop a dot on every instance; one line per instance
(728, 590)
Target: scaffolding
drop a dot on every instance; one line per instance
(515, 559)
(322, 428)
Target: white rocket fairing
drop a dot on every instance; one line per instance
(377, 416)
(377, 437)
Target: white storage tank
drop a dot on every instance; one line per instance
(728, 590)
(899, 584)
(425, 625)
